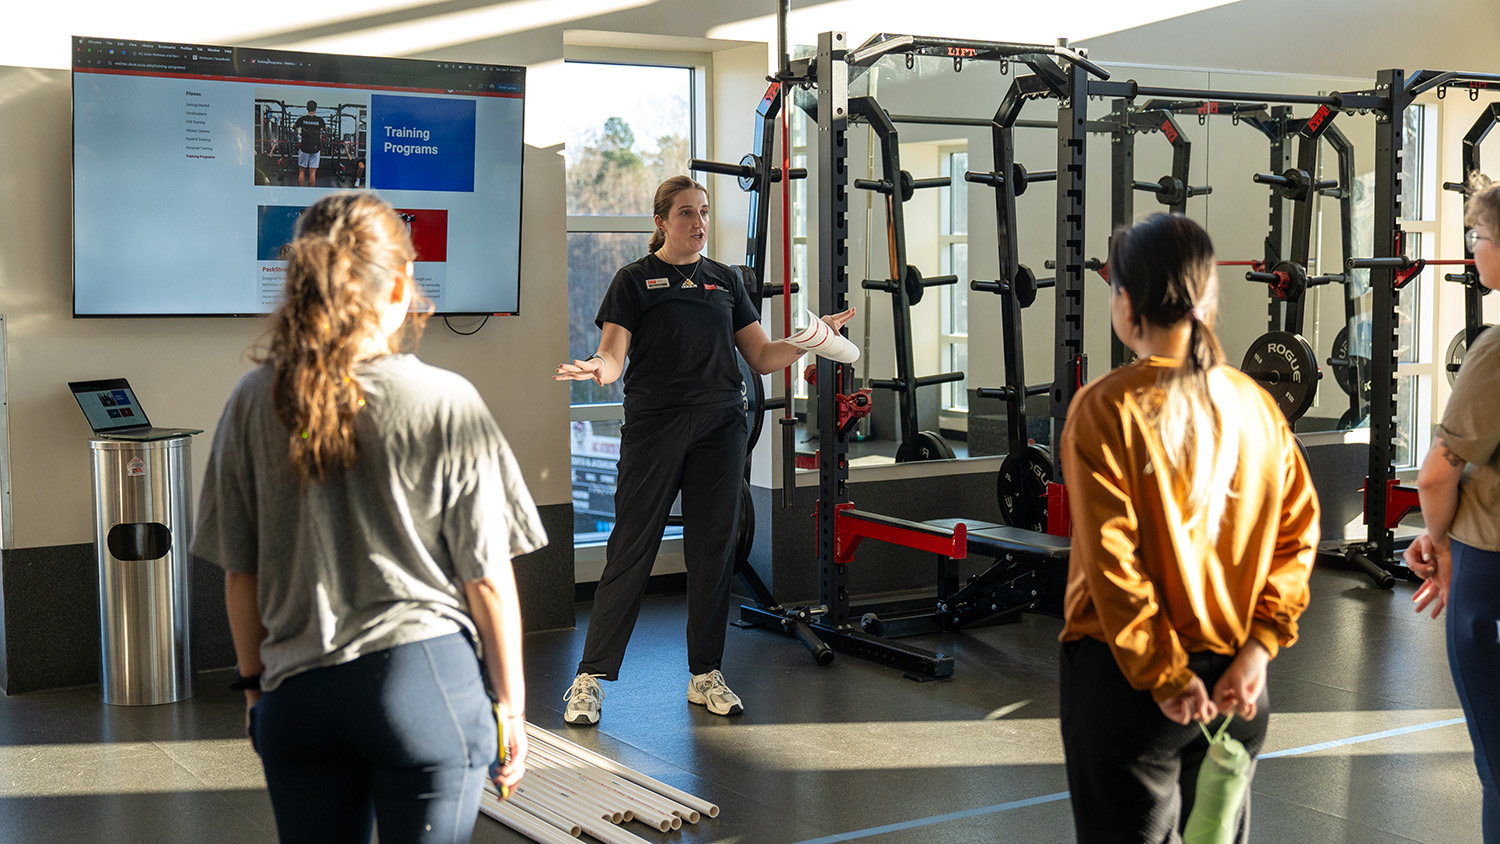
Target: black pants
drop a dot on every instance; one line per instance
(398, 739)
(1132, 773)
(702, 454)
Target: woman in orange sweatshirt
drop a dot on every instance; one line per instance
(1195, 526)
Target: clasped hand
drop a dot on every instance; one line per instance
(1433, 562)
(1236, 692)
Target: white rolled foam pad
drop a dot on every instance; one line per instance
(823, 341)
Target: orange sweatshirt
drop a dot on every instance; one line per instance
(1153, 588)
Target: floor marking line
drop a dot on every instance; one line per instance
(1063, 795)
(935, 819)
(1399, 731)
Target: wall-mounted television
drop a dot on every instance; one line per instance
(191, 164)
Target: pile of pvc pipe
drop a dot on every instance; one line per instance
(570, 790)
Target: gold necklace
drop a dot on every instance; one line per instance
(685, 276)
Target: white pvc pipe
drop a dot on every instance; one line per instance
(593, 826)
(596, 783)
(556, 756)
(646, 807)
(555, 803)
(522, 822)
(686, 799)
(556, 783)
(556, 819)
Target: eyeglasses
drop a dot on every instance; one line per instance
(1472, 238)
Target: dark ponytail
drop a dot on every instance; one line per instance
(348, 250)
(666, 192)
(1165, 264)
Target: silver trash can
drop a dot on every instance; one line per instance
(142, 534)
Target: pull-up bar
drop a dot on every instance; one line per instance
(964, 48)
(1130, 89)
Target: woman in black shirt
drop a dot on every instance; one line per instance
(680, 318)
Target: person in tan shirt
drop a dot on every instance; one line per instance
(1459, 555)
(1195, 525)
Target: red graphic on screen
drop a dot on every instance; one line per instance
(429, 232)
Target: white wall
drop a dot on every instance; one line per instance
(184, 368)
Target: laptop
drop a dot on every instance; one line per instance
(114, 413)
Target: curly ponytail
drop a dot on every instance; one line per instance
(347, 253)
(1165, 264)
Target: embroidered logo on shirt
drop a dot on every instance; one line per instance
(687, 284)
(657, 284)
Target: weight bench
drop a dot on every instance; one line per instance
(1029, 572)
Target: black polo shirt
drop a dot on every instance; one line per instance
(682, 322)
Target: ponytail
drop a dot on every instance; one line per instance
(661, 206)
(348, 251)
(1165, 264)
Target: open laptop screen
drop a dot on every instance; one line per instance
(110, 405)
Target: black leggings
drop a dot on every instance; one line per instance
(702, 454)
(400, 737)
(1474, 659)
(1132, 772)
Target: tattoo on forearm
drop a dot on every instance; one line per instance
(1447, 454)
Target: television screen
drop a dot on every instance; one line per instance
(192, 163)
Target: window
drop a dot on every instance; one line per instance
(953, 246)
(1417, 363)
(631, 125)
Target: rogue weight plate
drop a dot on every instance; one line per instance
(1022, 487)
(1283, 363)
(1457, 349)
(752, 401)
(924, 445)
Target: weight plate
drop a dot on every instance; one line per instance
(752, 401)
(1025, 286)
(1351, 420)
(744, 538)
(1022, 487)
(1457, 349)
(751, 182)
(924, 445)
(1344, 375)
(1283, 363)
(914, 288)
(1356, 373)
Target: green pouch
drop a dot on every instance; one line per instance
(1223, 781)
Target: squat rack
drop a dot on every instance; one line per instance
(1064, 73)
(1386, 501)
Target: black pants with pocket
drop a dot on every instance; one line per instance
(700, 453)
(1132, 772)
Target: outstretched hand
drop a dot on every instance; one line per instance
(838, 320)
(580, 370)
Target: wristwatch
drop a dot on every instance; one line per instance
(241, 683)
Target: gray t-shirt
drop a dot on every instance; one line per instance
(1471, 427)
(375, 556)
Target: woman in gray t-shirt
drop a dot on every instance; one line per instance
(1459, 555)
(365, 508)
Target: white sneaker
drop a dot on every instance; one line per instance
(584, 698)
(709, 690)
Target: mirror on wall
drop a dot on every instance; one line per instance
(940, 117)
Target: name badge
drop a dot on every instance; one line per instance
(657, 284)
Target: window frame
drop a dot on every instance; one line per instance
(954, 415)
(589, 555)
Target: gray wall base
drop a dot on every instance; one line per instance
(49, 608)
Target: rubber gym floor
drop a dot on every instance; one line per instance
(1366, 744)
